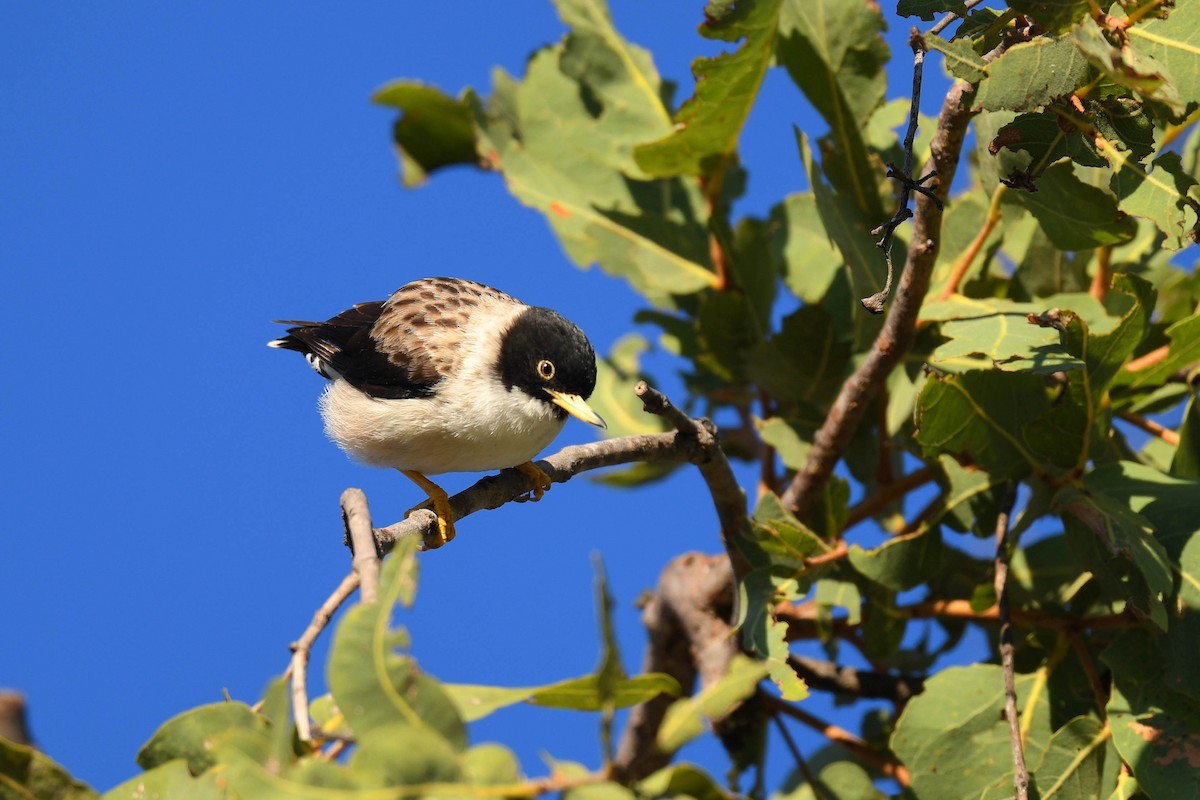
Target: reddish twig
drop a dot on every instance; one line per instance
(1151, 427)
(834, 733)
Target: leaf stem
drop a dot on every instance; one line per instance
(888, 766)
(1151, 427)
(1101, 279)
(963, 262)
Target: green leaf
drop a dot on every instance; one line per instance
(808, 258)
(327, 718)
(954, 739)
(972, 498)
(563, 138)
(961, 58)
(1032, 74)
(189, 735)
(791, 447)
(27, 773)
(433, 130)
(170, 781)
(1042, 135)
(1053, 15)
(1154, 725)
(1183, 351)
(1128, 66)
(903, 561)
(681, 781)
(1186, 463)
(847, 226)
(1073, 764)
(804, 362)
(584, 694)
(830, 593)
(708, 125)
(997, 332)
(927, 9)
(834, 52)
(1174, 43)
(1160, 194)
(382, 693)
(490, 765)
(685, 719)
(1117, 545)
(615, 401)
(980, 415)
(1076, 215)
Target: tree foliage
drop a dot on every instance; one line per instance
(1055, 349)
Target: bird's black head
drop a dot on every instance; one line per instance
(548, 357)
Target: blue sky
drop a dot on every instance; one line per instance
(175, 176)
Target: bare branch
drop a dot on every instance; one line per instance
(689, 637)
(826, 676)
(897, 334)
(13, 725)
(302, 649)
(496, 490)
(357, 518)
(886, 495)
(845, 738)
(1007, 651)
(727, 496)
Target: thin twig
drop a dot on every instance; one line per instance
(827, 676)
(889, 494)
(802, 618)
(949, 18)
(1089, 669)
(801, 764)
(1100, 280)
(845, 738)
(1151, 359)
(496, 490)
(959, 270)
(356, 516)
(1020, 771)
(13, 724)
(908, 185)
(302, 649)
(1151, 427)
(726, 493)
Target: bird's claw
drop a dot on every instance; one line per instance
(539, 482)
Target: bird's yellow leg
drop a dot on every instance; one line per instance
(539, 481)
(441, 507)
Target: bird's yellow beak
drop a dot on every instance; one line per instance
(577, 407)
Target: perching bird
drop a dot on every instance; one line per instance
(448, 375)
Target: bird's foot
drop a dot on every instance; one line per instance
(441, 509)
(539, 481)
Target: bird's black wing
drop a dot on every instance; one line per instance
(344, 347)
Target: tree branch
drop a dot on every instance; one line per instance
(898, 331)
(496, 490)
(826, 676)
(688, 637)
(13, 725)
(302, 649)
(356, 516)
(1007, 651)
(855, 744)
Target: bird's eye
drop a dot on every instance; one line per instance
(546, 369)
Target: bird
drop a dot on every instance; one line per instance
(448, 375)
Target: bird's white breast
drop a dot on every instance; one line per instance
(471, 423)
